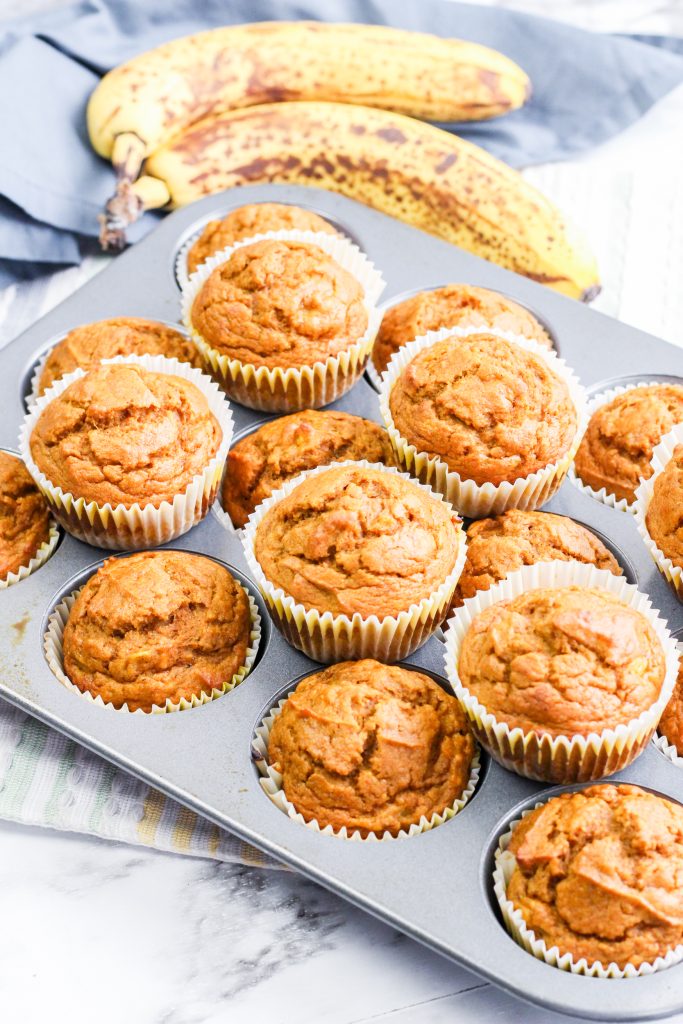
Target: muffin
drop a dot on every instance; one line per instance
(85, 347)
(371, 748)
(452, 305)
(663, 516)
(498, 546)
(282, 448)
(24, 517)
(671, 722)
(155, 628)
(247, 221)
(617, 447)
(597, 872)
(129, 439)
(355, 561)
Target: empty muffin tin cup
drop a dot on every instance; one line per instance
(54, 654)
(470, 499)
(661, 456)
(504, 866)
(288, 389)
(123, 527)
(537, 755)
(329, 638)
(45, 551)
(271, 784)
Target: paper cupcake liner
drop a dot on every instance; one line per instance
(45, 551)
(53, 647)
(330, 638)
(33, 395)
(471, 499)
(661, 455)
(271, 783)
(560, 759)
(505, 863)
(137, 526)
(288, 389)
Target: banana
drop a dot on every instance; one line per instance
(404, 167)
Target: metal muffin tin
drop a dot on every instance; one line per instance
(435, 887)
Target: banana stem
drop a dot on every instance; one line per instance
(132, 195)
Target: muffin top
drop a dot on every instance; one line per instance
(498, 546)
(617, 447)
(154, 626)
(599, 874)
(663, 516)
(277, 303)
(671, 722)
(564, 661)
(356, 540)
(122, 434)
(284, 447)
(491, 410)
(85, 347)
(253, 219)
(24, 520)
(455, 305)
(371, 747)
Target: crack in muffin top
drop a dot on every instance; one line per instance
(24, 518)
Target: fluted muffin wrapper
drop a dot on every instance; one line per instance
(45, 551)
(271, 783)
(123, 527)
(329, 638)
(538, 755)
(603, 495)
(504, 866)
(661, 456)
(288, 389)
(54, 654)
(470, 499)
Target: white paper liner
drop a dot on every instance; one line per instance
(560, 759)
(330, 638)
(602, 495)
(33, 395)
(271, 783)
(661, 455)
(45, 551)
(52, 644)
(471, 499)
(505, 863)
(288, 389)
(132, 527)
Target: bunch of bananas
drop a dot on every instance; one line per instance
(342, 107)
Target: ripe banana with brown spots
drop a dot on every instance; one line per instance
(411, 170)
(141, 105)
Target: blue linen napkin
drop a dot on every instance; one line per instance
(587, 87)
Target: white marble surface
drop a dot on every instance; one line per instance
(95, 931)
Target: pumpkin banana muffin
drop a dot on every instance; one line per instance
(663, 517)
(282, 448)
(617, 447)
(279, 303)
(455, 305)
(250, 220)
(598, 874)
(24, 518)
(671, 722)
(501, 544)
(356, 540)
(489, 409)
(124, 435)
(154, 627)
(371, 747)
(562, 661)
(85, 347)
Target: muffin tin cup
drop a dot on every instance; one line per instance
(289, 389)
(504, 866)
(124, 527)
(45, 551)
(539, 756)
(470, 499)
(271, 784)
(53, 647)
(661, 456)
(330, 638)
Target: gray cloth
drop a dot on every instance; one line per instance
(587, 87)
